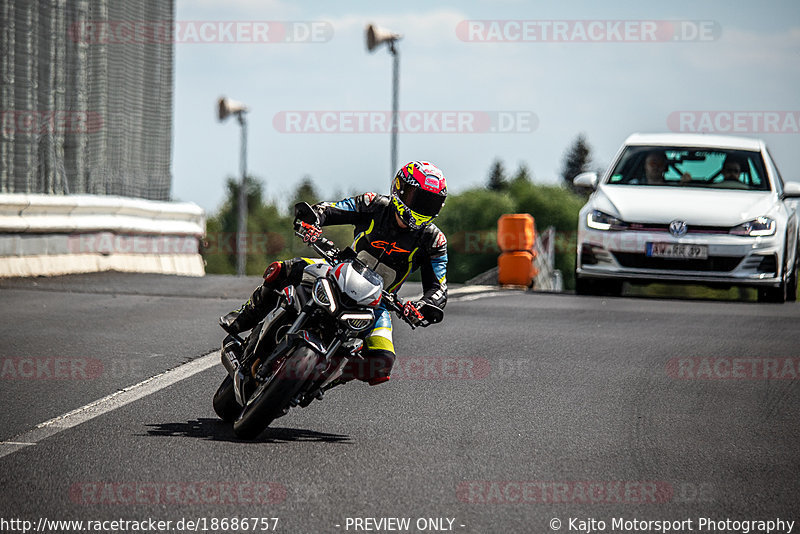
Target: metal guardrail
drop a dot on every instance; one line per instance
(548, 278)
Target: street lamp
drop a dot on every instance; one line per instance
(226, 107)
(375, 37)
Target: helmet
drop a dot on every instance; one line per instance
(418, 193)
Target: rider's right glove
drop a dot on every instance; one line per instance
(311, 232)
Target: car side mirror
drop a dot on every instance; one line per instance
(791, 190)
(586, 179)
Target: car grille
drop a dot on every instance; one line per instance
(714, 263)
(690, 229)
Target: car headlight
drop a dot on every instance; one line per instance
(763, 226)
(603, 221)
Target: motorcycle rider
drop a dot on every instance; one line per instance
(394, 235)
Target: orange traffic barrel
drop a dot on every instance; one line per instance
(516, 231)
(515, 268)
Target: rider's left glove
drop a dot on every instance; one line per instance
(412, 313)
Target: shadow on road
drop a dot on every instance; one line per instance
(217, 430)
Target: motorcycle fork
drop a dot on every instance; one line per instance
(350, 350)
(286, 299)
(272, 362)
(251, 361)
(328, 375)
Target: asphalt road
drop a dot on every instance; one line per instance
(519, 409)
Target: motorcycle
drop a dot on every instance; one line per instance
(303, 344)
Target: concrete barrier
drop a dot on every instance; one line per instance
(42, 235)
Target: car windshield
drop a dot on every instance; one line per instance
(691, 167)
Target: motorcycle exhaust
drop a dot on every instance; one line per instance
(232, 349)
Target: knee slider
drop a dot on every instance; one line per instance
(374, 368)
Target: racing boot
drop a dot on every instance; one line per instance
(259, 304)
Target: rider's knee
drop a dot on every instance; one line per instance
(374, 368)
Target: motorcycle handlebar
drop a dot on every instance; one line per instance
(330, 253)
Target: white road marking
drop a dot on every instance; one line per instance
(463, 290)
(157, 383)
(467, 293)
(108, 403)
(466, 298)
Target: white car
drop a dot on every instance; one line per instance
(689, 208)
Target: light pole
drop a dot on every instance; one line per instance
(226, 107)
(376, 36)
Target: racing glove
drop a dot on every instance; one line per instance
(311, 232)
(412, 313)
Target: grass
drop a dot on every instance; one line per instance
(690, 291)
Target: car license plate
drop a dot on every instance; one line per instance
(678, 251)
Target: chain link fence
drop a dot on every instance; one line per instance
(83, 110)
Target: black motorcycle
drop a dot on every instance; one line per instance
(303, 344)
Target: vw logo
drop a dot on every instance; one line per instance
(678, 228)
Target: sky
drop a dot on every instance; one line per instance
(479, 80)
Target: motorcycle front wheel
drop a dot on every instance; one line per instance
(225, 404)
(270, 399)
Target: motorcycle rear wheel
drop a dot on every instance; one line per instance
(270, 399)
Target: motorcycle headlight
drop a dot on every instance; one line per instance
(358, 321)
(603, 221)
(763, 226)
(323, 295)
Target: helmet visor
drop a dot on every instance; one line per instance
(420, 201)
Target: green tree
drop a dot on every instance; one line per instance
(469, 220)
(577, 159)
(497, 177)
(553, 206)
(306, 192)
(523, 175)
(266, 235)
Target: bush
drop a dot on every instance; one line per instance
(558, 207)
(469, 220)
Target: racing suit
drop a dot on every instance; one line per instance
(391, 251)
